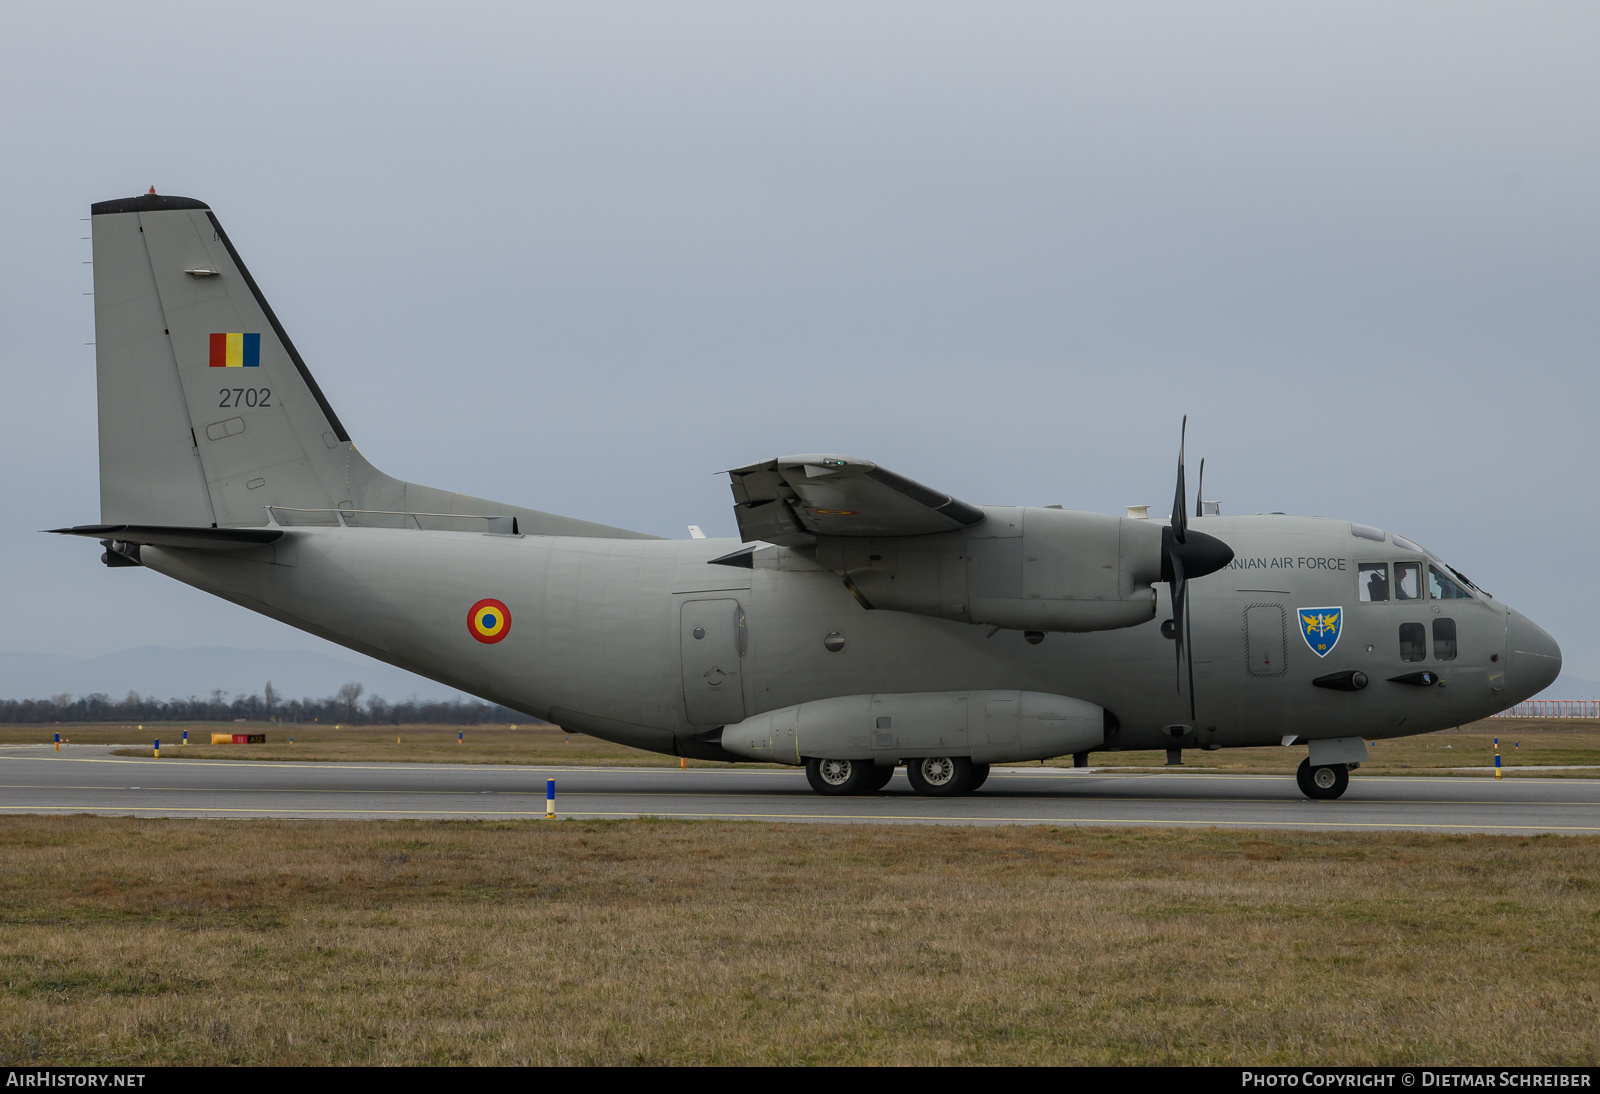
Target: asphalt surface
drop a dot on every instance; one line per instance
(89, 779)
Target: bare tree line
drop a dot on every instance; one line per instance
(345, 706)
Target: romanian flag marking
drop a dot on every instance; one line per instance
(489, 621)
(235, 351)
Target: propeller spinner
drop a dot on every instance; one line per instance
(1186, 555)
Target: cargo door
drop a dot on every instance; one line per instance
(711, 638)
(1266, 640)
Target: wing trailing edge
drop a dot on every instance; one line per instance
(792, 500)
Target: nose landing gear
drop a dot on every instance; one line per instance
(1323, 783)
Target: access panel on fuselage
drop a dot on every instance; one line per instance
(1266, 639)
(711, 638)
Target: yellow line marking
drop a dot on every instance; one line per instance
(671, 793)
(824, 816)
(251, 765)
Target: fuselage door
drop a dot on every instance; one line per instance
(1000, 723)
(1266, 640)
(711, 638)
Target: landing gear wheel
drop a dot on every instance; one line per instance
(980, 772)
(835, 777)
(1323, 783)
(940, 776)
(877, 780)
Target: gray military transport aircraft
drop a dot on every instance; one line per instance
(862, 622)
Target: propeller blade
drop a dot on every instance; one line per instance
(1180, 500)
(1180, 596)
(1200, 489)
(1188, 648)
(1185, 556)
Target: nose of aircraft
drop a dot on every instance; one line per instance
(1533, 660)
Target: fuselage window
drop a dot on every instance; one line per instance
(1442, 588)
(1444, 639)
(1372, 582)
(1413, 642)
(1408, 581)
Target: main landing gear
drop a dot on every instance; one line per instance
(835, 777)
(1322, 783)
(932, 776)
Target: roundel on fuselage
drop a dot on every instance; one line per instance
(489, 620)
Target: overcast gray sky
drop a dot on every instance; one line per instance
(583, 257)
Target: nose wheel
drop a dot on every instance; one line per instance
(1323, 783)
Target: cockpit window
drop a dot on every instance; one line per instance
(1444, 639)
(1413, 642)
(1408, 580)
(1442, 588)
(1372, 582)
(1367, 532)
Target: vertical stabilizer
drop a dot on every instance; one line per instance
(176, 313)
(208, 414)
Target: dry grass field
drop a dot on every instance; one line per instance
(141, 942)
(1543, 742)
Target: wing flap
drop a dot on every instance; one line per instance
(793, 499)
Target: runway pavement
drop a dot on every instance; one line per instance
(89, 779)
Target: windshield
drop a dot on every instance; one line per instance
(1442, 588)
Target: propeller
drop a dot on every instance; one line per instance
(1186, 555)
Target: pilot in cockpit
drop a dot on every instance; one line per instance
(1374, 582)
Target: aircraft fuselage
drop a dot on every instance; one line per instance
(601, 634)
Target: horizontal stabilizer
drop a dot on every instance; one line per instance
(194, 539)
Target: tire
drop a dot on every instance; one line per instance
(980, 772)
(877, 780)
(1323, 783)
(939, 776)
(836, 777)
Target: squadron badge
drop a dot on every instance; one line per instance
(1320, 628)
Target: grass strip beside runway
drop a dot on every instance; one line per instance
(142, 941)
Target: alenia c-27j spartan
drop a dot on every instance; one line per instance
(865, 621)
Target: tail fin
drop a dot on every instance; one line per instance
(208, 414)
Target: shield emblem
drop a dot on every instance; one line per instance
(1320, 628)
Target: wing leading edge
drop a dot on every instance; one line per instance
(791, 500)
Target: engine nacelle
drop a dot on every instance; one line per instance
(988, 726)
(1020, 568)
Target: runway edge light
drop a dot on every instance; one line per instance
(550, 799)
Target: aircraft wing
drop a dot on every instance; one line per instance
(791, 500)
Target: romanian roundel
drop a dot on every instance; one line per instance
(489, 621)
